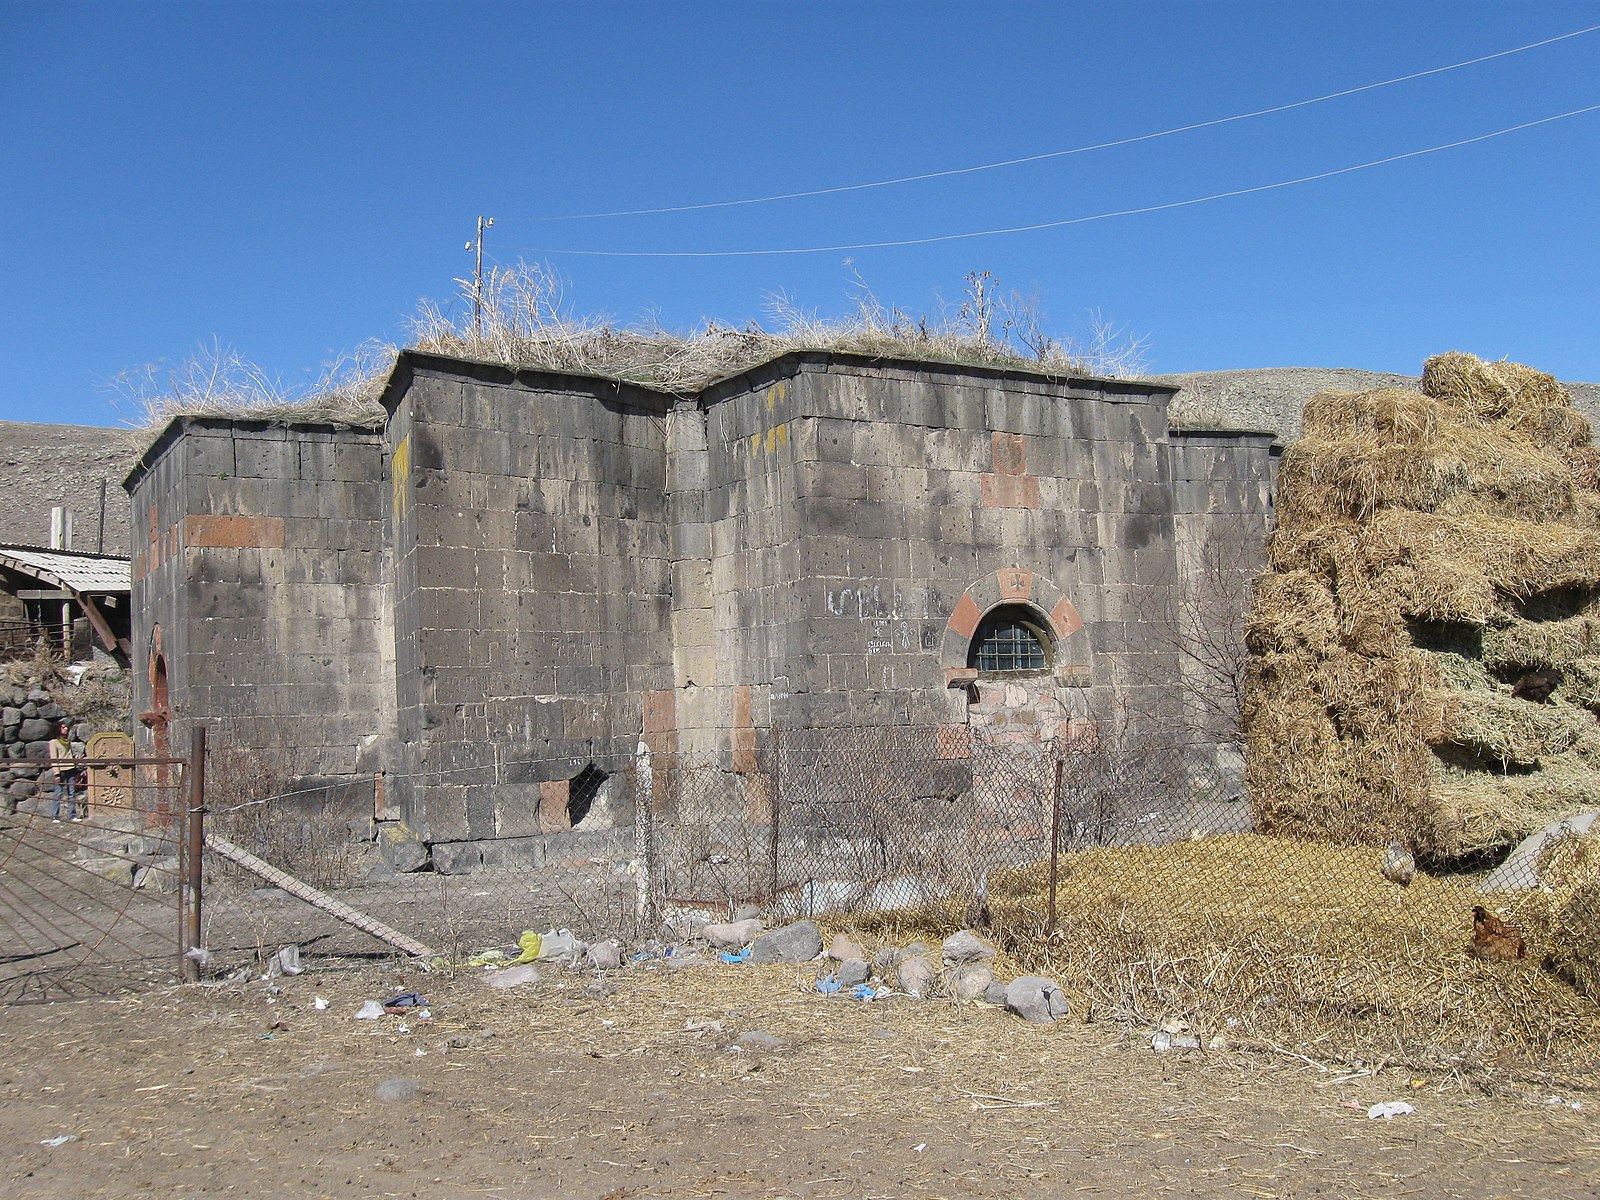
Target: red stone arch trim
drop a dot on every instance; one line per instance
(1016, 585)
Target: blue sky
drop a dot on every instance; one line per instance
(291, 178)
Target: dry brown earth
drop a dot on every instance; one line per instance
(598, 1090)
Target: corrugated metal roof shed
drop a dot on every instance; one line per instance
(92, 573)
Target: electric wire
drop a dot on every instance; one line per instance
(1066, 221)
(1051, 154)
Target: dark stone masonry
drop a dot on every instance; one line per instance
(480, 610)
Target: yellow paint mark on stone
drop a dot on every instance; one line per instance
(402, 475)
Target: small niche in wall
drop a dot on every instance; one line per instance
(583, 791)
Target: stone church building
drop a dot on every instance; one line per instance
(497, 593)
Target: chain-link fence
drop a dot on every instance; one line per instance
(1132, 869)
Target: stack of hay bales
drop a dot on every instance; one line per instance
(1567, 920)
(1432, 548)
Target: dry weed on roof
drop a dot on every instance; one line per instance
(521, 319)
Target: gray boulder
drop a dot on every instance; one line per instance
(402, 849)
(604, 956)
(35, 729)
(796, 943)
(853, 971)
(915, 976)
(1037, 999)
(966, 947)
(995, 993)
(969, 981)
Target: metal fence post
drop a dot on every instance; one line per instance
(193, 835)
(644, 837)
(1055, 844)
(775, 807)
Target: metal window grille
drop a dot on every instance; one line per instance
(1009, 644)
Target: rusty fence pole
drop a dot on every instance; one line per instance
(1055, 846)
(193, 835)
(774, 807)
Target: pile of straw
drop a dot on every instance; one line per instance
(1432, 547)
(1566, 919)
(1263, 941)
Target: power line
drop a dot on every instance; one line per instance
(1032, 158)
(1123, 212)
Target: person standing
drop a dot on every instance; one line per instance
(65, 765)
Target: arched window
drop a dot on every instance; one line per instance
(1012, 638)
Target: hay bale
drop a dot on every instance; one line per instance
(1490, 389)
(1568, 922)
(1431, 547)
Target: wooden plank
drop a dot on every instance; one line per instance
(304, 891)
(102, 627)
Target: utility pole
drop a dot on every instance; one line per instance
(477, 277)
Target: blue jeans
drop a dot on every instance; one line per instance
(75, 809)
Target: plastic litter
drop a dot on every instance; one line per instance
(829, 984)
(1163, 1041)
(1389, 1109)
(319, 1004)
(404, 1001)
(370, 1010)
(288, 960)
(60, 1141)
(733, 956)
(513, 976)
(866, 993)
(555, 945)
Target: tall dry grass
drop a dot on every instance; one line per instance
(522, 318)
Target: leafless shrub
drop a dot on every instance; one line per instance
(308, 838)
(218, 381)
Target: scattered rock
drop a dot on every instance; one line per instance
(969, 981)
(844, 947)
(796, 943)
(757, 1039)
(996, 993)
(915, 976)
(731, 935)
(402, 849)
(682, 962)
(966, 947)
(1037, 999)
(399, 1089)
(604, 956)
(746, 912)
(510, 977)
(853, 971)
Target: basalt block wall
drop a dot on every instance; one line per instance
(528, 573)
(259, 587)
(864, 515)
(532, 590)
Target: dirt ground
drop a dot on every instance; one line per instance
(576, 1087)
